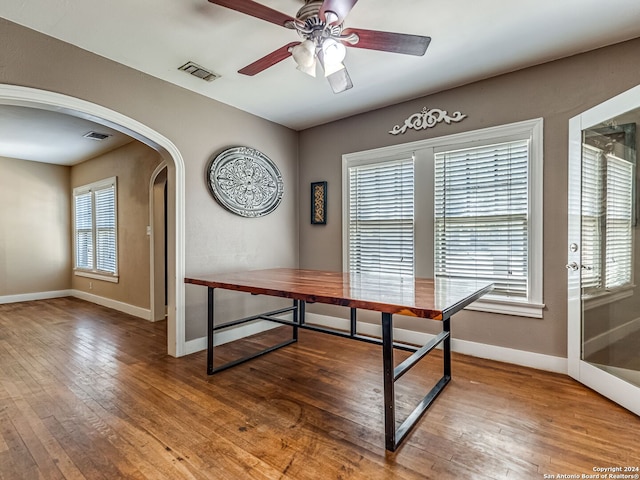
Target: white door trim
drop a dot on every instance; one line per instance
(152, 240)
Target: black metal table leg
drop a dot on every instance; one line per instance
(446, 347)
(353, 322)
(393, 436)
(210, 330)
(296, 318)
(302, 312)
(389, 392)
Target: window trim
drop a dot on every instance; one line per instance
(531, 129)
(94, 273)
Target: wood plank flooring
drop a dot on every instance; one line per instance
(88, 393)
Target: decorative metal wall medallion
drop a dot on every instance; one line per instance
(245, 181)
(427, 118)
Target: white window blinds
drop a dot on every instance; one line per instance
(105, 206)
(96, 227)
(84, 230)
(481, 216)
(381, 217)
(607, 220)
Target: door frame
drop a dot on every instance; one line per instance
(156, 288)
(620, 391)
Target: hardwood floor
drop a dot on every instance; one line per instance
(87, 392)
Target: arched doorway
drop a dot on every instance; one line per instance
(45, 100)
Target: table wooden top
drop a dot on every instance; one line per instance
(416, 297)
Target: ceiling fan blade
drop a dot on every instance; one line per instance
(268, 60)
(340, 7)
(340, 81)
(388, 41)
(255, 10)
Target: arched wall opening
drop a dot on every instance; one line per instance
(46, 100)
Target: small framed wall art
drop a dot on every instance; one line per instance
(319, 203)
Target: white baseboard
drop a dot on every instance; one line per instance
(481, 350)
(28, 297)
(139, 312)
(105, 302)
(491, 352)
(611, 336)
(540, 361)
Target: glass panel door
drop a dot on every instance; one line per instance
(610, 299)
(604, 250)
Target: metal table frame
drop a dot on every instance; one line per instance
(393, 436)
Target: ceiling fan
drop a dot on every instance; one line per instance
(320, 24)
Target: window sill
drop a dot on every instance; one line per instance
(107, 277)
(599, 299)
(506, 307)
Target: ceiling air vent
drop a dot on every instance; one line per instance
(96, 135)
(198, 71)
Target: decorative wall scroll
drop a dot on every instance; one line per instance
(427, 118)
(245, 181)
(319, 203)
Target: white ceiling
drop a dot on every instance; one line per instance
(52, 137)
(471, 40)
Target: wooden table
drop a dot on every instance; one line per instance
(389, 295)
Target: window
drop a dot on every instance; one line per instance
(607, 222)
(381, 217)
(95, 225)
(481, 216)
(477, 200)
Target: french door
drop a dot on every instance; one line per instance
(603, 260)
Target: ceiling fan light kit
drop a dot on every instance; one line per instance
(320, 24)
(333, 51)
(304, 54)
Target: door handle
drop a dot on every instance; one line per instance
(573, 266)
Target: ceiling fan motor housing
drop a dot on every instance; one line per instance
(310, 27)
(310, 9)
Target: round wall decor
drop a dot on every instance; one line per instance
(245, 181)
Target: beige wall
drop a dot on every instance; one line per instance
(132, 164)
(216, 240)
(35, 235)
(555, 91)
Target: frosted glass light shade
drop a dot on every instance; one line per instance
(304, 53)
